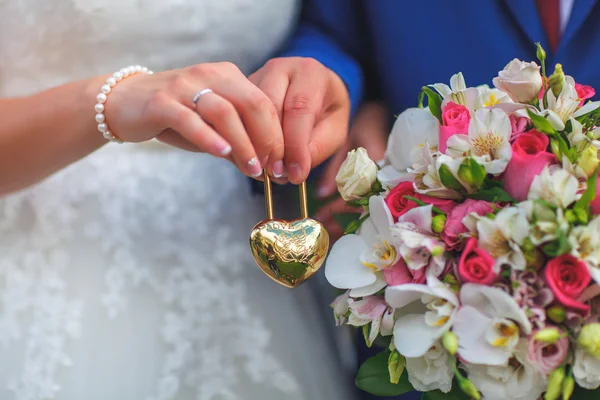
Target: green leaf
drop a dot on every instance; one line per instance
(454, 394)
(434, 101)
(374, 378)
(448, 179)
(494, 194)
(540, 123)
(422, 203)
(583, 394)
(558, 246)
(590, 193)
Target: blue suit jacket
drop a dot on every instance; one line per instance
(389, 49)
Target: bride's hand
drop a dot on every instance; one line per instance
(235, 121)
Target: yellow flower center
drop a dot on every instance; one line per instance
(487, 143)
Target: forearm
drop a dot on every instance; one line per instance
(42, 133)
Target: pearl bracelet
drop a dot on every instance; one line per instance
(103, 96)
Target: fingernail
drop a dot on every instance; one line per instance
(255, 167)
(278, 169)
(294, 171)
(263, 161)
(225, 150)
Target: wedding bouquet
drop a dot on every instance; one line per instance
(476, 262)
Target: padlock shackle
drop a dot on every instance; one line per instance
(269, 197)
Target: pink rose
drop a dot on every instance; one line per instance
(518, 125)
(455, 120)
(399, 205)
(400, 274)
(584, 92)
(567, 277)
(476, 265)
(528, 160)
(454, 228)
(596, 201)
(547, 357)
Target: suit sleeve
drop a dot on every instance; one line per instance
(330, 32)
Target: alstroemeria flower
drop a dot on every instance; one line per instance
(427, 178)
(457, 92)
(503, 236)
(489, 134)
(585, 245)
(556, 186)
(516, 380)
(372, 310)
(419, 246)
(547, 222)
(488, 325)
(355, 261)
(340, 308)
(561, 108)
(423, 314)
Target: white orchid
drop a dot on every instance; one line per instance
(586, 369)
(517, 380)
(503, 236)
(546, 222)
(355, 261)
(488, 325)
(371, 310)
(585, 245)
(488, 139)
(412, 128)
(457, 92)
(423, 314)
(556, 186)
(419, 246)
(431, 371)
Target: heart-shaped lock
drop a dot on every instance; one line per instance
(289, 252)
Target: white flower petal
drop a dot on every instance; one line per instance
(413, 337)
(390, 177)
(587, 108)
(373, 288)
(343, 268)
(380, 215)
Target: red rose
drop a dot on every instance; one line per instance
(454, 228)
(476, 265)
(568, 276)
(518, 126)
(399, 205)
(455, 120)
(528, 160)
(584, 92)
(596, 202)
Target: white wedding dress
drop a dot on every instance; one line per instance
(128, 276)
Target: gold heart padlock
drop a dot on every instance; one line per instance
(289, 252)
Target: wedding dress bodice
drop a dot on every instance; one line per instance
(128, 275)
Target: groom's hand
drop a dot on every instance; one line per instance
(313, 106)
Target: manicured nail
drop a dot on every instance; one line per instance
(225, 150)
(278, 169)
(294, 171)
(255, 167)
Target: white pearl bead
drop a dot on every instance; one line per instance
(105, 89)
(125, 72)
(107, 135)
(118, 76)
(150, 72)
(144, 69)
(101, 98)
(99, 108)
(100, 118)
(102, 127)
(138, 68)
(112, 82)
(131, 69)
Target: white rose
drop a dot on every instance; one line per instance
(356, 175)
(586, 370)
(522, 382)
(522, 81)
(432, 371)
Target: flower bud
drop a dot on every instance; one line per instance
(438, 223)
(356, 175)
(555, 147)
(555, 381)
(570, 216)
(548, 335)
(557, 80)
(568, 387)
(437, 251)
(450, 342)
(557, 314)
(581, 215)
(588, 160)
(540, 53)
(396, 364)
(472, 173)
(589, 339)
(469, 388)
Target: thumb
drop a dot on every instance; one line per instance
(327, 185)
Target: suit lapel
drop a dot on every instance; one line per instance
(526, 15)
(581, 10)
